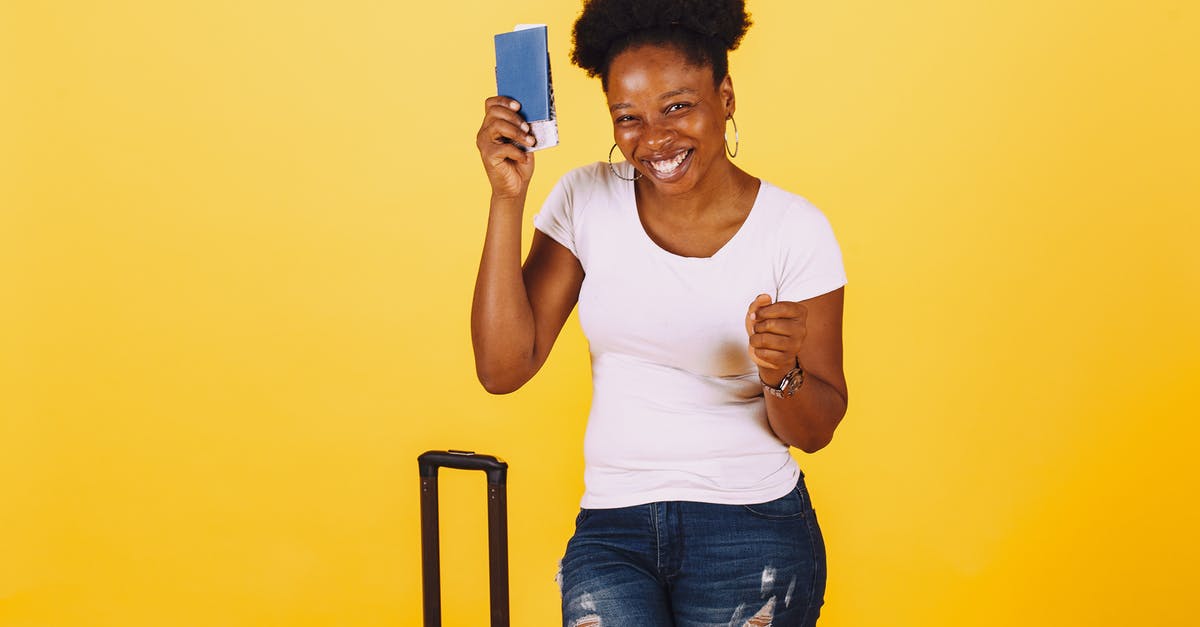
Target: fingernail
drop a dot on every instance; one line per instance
(525, 126)
(754, 315)
(514, 105)
(529, 139)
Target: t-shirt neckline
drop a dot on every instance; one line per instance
(631, 204)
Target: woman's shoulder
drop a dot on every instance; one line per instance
(787, 206)
(587, 176)
(587, 184)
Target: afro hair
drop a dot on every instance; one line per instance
(704, 31)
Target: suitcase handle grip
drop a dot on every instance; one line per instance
(430, 461)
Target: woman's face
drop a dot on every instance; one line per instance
(668, 117)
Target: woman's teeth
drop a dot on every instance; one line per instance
(667, 166)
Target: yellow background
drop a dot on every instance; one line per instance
(237, 248)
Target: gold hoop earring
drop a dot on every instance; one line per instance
(636, 175)
(736, 142)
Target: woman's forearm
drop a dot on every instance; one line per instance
(807, 419)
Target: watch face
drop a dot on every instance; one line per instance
(791, 382)
(787, 385)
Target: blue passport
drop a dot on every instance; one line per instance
(523, 74)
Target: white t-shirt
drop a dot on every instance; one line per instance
(677, 409)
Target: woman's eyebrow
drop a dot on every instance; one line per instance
(677, 92)
(665, 96)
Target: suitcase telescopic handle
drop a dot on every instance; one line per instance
(430, 461)
(497, 471)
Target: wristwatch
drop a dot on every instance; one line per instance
(787, 386)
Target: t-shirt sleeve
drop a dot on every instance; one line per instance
(557, 216)
(812, 263)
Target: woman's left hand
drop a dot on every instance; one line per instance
(777, 332)
(807, 334)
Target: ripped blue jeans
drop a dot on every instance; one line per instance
(688, 564)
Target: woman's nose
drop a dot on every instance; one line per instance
(658, 136)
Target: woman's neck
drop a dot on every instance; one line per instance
(720, 190)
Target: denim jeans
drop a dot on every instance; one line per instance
(688, 564)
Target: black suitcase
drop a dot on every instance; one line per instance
(431, 578)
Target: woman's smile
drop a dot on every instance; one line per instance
(669, 168)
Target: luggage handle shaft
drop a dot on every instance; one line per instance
(496, 471)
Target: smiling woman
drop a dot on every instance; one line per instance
(712, 303)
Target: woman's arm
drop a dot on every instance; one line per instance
(807, 333)
(517, 311)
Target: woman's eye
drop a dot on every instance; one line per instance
(624, 118)
(677, 107)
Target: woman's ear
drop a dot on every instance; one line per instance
(726, 91)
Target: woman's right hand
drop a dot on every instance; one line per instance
(509, 169)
